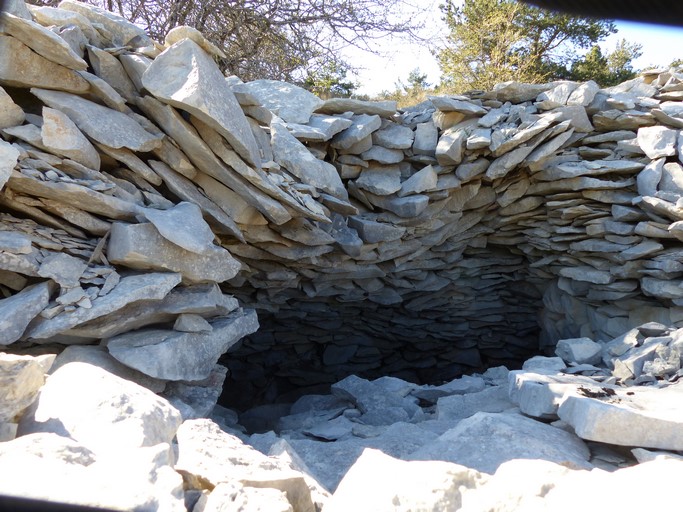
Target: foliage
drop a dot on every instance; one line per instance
(330, 81)
(276, 39)
(492, 41)
(414, 91)
(607, 70)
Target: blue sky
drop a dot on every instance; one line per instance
(661, 45)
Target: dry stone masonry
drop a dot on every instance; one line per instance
(357, 280)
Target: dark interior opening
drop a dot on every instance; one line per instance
(483, 317)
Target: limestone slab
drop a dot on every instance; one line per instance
(130, 289)
(42, 41)
(167, 354)
(141, 246)
(28, 69)
(61, 135)
(106, 126)
(197, 86)
(11, 114)
(289, 102)
(651, 417)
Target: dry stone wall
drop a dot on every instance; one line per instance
(147, 200)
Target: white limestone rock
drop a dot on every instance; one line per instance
(141, 246)
(297, 159)
(382, 483)
(651, 417)
(481, 442)
(393, 136)
(17, 311)
(184, 32)
(380, 180)
(130, 289)
(42, 41)
(424, 180)
(65, 473)
(166, 354)
(385, 109)
(9, 156)
(584, 94)
(458, 407)
(28, 69)
(657, 141)
(60, 135)
(426, 139)
(207, 457)
(579, 350)
(106, 415)
(184, 226)
(11, 114)
(102, 124)
(186, 77)
(363, 126)
(123, 31)
(289, 102)
(21, 377)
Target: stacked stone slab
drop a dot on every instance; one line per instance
(423, 243)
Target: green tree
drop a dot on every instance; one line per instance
(277, 39)
(330, 81)
(607, 70)
(492, 41)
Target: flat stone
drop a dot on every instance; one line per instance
(393, 136)
(73, 476)
(378, 482)
(207, 457)
(340, 105)
(289, 102)
(319, 127)
(42, 41)
(423, 180)
(141, 246)
(458, 407)
(516, 92)
(363, 126)
(106, 126)
(189, 322)
(661, 289)
(587, 274)
(65, 270)
(21, 377)
(579, 350)
(406, 207)
(460, 386)
(11, 114)
(380, 180)
(652, 418)
(184, 226)
(460, 104)
(426, 139)
(449, 149)
(557, 96)
(297, 159)
(107, 415)
(28, 69)
(383, 155)
(49, 16)
(9, 156)
(96, 355)
(244, 498)
(372, 232)
(657, 141)
(107, 67)
(165, 354)
(202, 299)
(584, 94)
(60, 135)
(184, 32)
(481, 442)
(198, 86)
(130, 289)
(124, 32)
